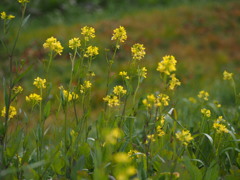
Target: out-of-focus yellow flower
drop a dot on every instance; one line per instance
(85, 86)
(12, 112)
(17, 89)
(160, 131)
(23, 1)
(203, 95)
(162, 100)
(217, 104)
(4, 16)
(174, 82)
(91, 51)
(119, 90)
(220, 120)
(135, 153)
(167, 65)
(113, 135)
(150, 137)
(112, 101)
(227, 75)
(74, 43)
(149, 101)
(69, 96)
(124, 74)
(220, 128)
(121, 157)
(119, 34)
(88, 33)
(142, 72)
(54, 45)
(161, 121)
(34, 98)
(184, 136)
(138, 51)
(206, 112)
(192, 100)
(40, 83)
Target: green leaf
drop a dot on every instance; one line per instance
(25, 20)
(212, 171)
(194, 172)
(47, 109)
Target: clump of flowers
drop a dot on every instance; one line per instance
(203, 95)
(69, 96)
(192, 100)
(174, 82)
(227, 75)
(121, 157)
(112, 136)
(138, 51)
(124, 74)
(135, 153)
(40, 83)
(159, 100)
(184, 136)
(54, 45)
(23, 1)
(4, 16)
(206, 112)
(112, 100)
(91, 51)
(142, 72)
(17, 89)
(85, 86)
(219, 126)
(217, 104)
(167, 65)
(12, 112)
(160, 131)
(74, 43)
(34, 98)
(88, 33)
(119, 34)
(119, 90)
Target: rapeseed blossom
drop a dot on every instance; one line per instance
(12, 112)
(40, 83)
(91, 51)
(54, 45)
(119, 34)
(227, 75)
(121, 157)
(135, 153)
(149, 101)
(138, 51)
(74, 43)
(206, 112)
(203, 95)
(160, 131)
(192, 100)
(85, 86)
(69, 96)
(119, 90)
(184, 136)
(112, 101)
(220, 128)
(124, 74)
(4, 16)
(167, 65)
(23, 1)
(34, 98)
(142, 72)
(162, 100)
(88, 33)
(174, 82)
(17, 89)
(113, 135)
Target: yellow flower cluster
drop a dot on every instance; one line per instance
(119, 34)
(17, 89)
(124, 74)
(192, 100)
(217, 104)
(135, 153)
(54, 45)
(142, 72)
(121, 157)
(88, 33)
(160, 131)
(40, 83)
(203, 95)
(167, 65)
(91, 51)
(85, 86)
(4, 16)
(138, 51)
(119, 90)
(69, 96)
(34, 98)
(112, 101)
(12, 112)
(150, 138)
(159, 100)
(112, 136)
(184, 136)
(206, 112)
(174, 82)
(219, 126)
(227, 75)
(23, 1)
(74, 43)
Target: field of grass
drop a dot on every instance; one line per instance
(159, 102)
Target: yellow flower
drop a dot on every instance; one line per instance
(124, 74)
(34, 98)
(162, 100)
(88, 33)
(74, 43)
(119, 90)
(135, 153)
(167, 65)
(86, 85)
(203, 95)
(142, 72)
(149, 101)
(192, 100)
(54, 45)
(119, 34)
(174, 82)
(138, 51)
(12, 112)
(121, 157)
(39, 83)
(23, 1)
(69, 96)
(220, 128)
(206, 112)
(220, 119)
(17, 89)
(91, 51)
(4, 16)
(217, 104)
(227, 75)
(160, 131)
(184, 136)
(112, 101)
(113, 135)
